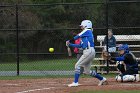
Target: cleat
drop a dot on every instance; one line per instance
(73, 84)
(102, 82)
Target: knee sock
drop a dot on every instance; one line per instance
(94, 74)
(99, 77)
(76, 77)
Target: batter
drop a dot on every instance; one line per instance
(84, 63)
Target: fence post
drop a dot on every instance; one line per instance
(107, 34)
(17, 41)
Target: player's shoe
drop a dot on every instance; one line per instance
(101, 82)
(73, 84)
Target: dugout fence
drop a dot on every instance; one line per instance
(27, 31)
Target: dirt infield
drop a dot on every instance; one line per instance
(59, 85)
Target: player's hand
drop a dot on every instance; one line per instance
(67, 43)
(106, 56)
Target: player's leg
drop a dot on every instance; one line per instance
(128, 78)
(93, 73)
(87, 60)
(78, 55)
(79, 67)
(129, 75)
(101, 79)
(78, 70)
(96, 75)
(137, 77)
(120, 67)
(125, 78)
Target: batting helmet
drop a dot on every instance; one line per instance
(86, 24)
(124, 47)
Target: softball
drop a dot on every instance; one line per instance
(51, 49)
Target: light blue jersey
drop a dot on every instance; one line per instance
(87, 39)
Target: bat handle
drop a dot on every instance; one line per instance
(69, 51)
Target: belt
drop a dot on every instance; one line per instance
(87, 48)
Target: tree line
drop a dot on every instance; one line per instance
(49, 26)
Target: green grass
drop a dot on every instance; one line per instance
(110, 91)
(59, 64)
(48, 65)
(33, 77)
(20, 77)
(49, 76)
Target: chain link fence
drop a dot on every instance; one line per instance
(27, 31)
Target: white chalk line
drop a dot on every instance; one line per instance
(9, 84)
(35, 90)
(68, 84)
(129, 84)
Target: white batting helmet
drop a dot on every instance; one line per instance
(86, 24)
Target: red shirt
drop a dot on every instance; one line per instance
(76, 50)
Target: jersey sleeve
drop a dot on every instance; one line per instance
(84, 33)
(75, 45)
(76, 37)
(120, 58)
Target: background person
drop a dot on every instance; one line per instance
(78, 51)
(111, 42)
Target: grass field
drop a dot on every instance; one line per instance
(59, 64)
(48, 65)
(50, 76)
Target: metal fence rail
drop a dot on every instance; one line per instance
(27, 31)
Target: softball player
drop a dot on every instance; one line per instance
(87, 44)
(127, 64)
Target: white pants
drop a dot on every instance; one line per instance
(111, 49)
(86, 59)
(127, 78)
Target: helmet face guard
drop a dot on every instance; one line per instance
(124, 47)
(86, 24)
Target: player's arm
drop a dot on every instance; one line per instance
(118, 58)
(75, 45)
(73, 39)
(82, 34)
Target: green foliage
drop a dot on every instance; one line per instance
(60, 17)
(14, 1)
(127, 14)
(46, 1)
(54, 18)
(27, 20)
